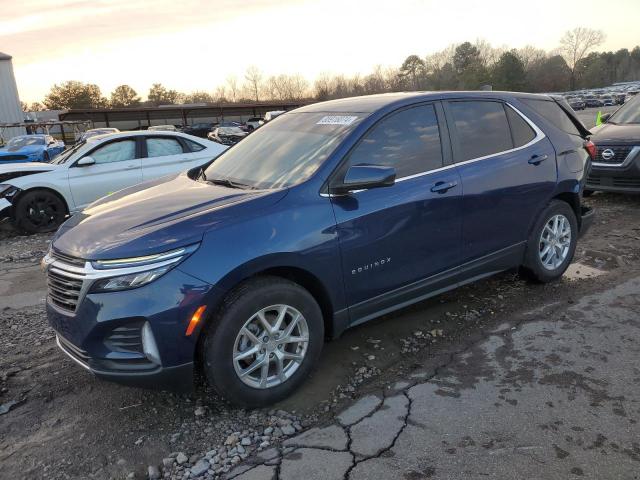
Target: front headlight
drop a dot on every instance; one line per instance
(125, 282)
(137, 271)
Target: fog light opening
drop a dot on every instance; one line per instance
(195, 319)
(149, 346)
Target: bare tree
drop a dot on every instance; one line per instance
(232, 85)
(220, 95)
(253, 79)
(575, 44)
(531, 55)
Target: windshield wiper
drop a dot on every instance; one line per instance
(226, 182)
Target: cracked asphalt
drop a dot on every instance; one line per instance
(551, 394)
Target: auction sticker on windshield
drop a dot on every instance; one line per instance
(337, 120)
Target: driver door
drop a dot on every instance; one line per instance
(117, 166)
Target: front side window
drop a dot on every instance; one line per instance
(161, 147)
(115, 152)
(284, 152)
(408, 141)
(482, 128)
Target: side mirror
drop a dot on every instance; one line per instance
(605, 117)
(86, 161)
(365, 177)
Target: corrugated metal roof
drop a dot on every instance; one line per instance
(4, 56)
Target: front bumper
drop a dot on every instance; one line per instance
(103, 333)
(622, 176)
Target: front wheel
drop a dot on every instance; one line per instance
(39, 211)
(552, 243)
(264, 342)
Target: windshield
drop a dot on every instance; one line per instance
(628, 113)
(64, 156)
(25, 140)
(284, 152)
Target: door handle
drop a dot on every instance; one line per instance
(442, 187)
(538, 159)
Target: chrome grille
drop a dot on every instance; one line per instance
(70, 349)
(65, 279)
(77, 262)
(620, 152)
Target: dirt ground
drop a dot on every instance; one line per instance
(57, 421)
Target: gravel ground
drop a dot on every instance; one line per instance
(57, 421)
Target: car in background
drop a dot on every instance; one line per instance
(333, 215)
(39, 196)
(577, 103)
(616, 167)
(228, 133)
(199, 129)
(31, 148)
(591, 102)
(254, 122)
(163, 128)
(607, 101)
(97, 131)
(273, 114)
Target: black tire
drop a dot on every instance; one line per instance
(220, 338)
(533, 266)
(45, 157)
(39, 211)
(587, 193)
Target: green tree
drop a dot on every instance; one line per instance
(508, 73)
(159, 95)
(549, 75)
(414, 70)
(198, 97)
(469, 66)
(74, 94)
(124, 96)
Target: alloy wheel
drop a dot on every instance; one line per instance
(555, 242)
(270, 346)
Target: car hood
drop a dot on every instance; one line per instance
(25, 150)
(608, 133)
(154, 217)
(14, 170)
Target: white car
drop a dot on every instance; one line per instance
(39, 196)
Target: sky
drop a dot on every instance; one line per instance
(191, 45)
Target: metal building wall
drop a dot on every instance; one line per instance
(10, 110)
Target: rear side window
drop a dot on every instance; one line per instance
(408, 141)
(521, 131)
(193, 146)
(554, 114)
(482, 128)
(162, 147)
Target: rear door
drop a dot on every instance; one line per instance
(508, 171)
(167, 154)
(394, 238)
(117, 166)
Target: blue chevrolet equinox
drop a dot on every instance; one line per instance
(327, 217)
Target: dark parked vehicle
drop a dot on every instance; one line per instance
(592, 102)
(199, 129)
(616, 167)
(327, 217)
(577, 104)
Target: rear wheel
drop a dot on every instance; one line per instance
(39, 211)
(264, 343)
(552, 243)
